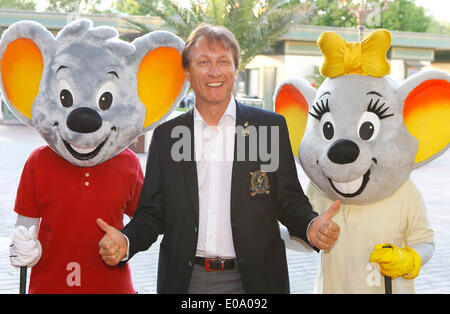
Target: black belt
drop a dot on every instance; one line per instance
(214, 264)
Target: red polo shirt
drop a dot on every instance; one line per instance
(69, 199)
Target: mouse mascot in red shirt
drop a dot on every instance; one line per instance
(89, 95)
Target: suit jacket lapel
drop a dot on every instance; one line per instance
(190, 167)
(240, 168)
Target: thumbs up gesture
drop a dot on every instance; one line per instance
(113, 245)
(323, 232)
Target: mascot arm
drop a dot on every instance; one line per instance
(425, 251)
(418, 237)
(294, 243)
(25, 249)
(27, 222)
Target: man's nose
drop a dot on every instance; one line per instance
(213, 70)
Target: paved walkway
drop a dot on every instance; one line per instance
(17, 142)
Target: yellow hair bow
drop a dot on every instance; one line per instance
(367, 57)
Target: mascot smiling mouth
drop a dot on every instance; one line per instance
(84, 154)
(352, 188)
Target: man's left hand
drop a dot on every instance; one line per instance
(323, 232)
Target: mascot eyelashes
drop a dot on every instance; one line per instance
(361, 135)
(89, 95)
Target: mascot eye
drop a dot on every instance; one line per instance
(105, 101)
(366, 130)
(328, 130)
(327, 126)
(66, 98)
(65, 94)
(369, 126)
(106, 96)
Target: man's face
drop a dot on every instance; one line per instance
(211, 72)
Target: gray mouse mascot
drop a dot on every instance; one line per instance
(359, 136)
(89, 95)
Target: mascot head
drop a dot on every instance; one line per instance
(88, 93)
(361, 133)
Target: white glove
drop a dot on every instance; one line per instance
(25, 249)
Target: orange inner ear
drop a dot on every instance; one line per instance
(427, 114)
(294, 107)
(21, 68)
(160, 79)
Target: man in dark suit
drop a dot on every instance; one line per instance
(219, 216)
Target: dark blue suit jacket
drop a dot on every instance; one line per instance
(168, 205)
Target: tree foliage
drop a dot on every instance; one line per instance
(257, 24)
(82, 6)
(404, 15)
(439, 27)
(331, 13)
(17, 4)
(401, 15)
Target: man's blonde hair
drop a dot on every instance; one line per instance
(213, 34)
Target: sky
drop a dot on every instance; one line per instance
(439, 8)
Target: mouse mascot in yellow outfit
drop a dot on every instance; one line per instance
(359, 136)
(89, 95)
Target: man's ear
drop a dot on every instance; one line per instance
(426, 112)
(161, 80)
(188, 76)
(292, 98)
(25, 49)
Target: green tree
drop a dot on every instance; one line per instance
(257, 24)
(316, 78)
(331, 13)
(17, 4)
(439, 27)
(401, 15)
(82, 6)
(131, 7)
(405, 15)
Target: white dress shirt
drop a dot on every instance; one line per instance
(214, 155)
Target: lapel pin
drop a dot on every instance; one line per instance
(245, 132)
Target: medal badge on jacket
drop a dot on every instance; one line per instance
(259, 183)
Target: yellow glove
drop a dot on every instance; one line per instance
(395, 262)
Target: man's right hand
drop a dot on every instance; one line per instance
(323, 231)
(113, 245)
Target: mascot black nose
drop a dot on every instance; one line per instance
(84, 120)
(343, 152)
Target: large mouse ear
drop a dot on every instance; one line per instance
(25, 48)
(161, 81)
(426, 112)
(292, 98)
